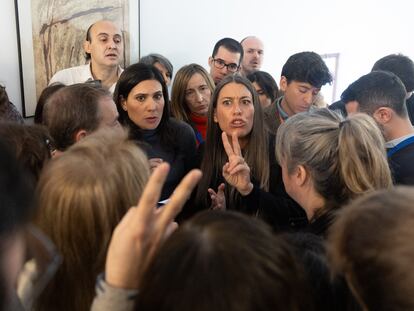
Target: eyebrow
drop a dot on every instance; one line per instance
(107, 34)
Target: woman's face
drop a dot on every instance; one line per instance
(197, 95)
(235, 111)
(145, 104)
(165, 73)
(264, 100)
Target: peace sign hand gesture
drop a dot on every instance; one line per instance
(143, 229)
(236, 171)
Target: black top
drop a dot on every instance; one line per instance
(274, 207)
(181, 156)
(402, 165)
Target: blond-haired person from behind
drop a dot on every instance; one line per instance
(327, 161)
(83, 194)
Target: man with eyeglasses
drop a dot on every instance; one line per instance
(226, 59)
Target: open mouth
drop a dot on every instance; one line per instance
(238, 123)
(151, 119)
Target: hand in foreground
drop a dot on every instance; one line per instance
(236, 171)
(143, 229)
(218, 199)
(154, 163)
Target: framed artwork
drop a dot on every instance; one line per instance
(51, 35)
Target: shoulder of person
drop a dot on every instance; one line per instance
(67, 73)
(181, 126)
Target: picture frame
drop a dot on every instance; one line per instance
(51, 33)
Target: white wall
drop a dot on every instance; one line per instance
(185, 31)
(9, 59)
(362, 31)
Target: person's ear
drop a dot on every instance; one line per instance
(87, 46)
(210, 61)
(383, 115)
(215, 115)
(301, 175)
(80, 134)
(123, 103)
(283, 83)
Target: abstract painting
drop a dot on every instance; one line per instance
(51, 35)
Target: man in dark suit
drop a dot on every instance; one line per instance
(381, 94)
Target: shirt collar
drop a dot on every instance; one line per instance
(395, 142)
(282, 113)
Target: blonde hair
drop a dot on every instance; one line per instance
(345, 157)
(83, 194)
(179, 107)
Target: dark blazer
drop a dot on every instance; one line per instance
(271, 117)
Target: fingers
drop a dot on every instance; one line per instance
(211, 192)
(243, 167)
(236, 145)
(179, 197)
(221, 188)
(233, 162)
(154, 162)
(226, 144)
(152, 191)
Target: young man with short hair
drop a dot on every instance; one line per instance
(302, 77)
(382, 95)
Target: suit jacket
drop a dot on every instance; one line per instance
(272, 117)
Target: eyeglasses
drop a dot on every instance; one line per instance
(220, 64)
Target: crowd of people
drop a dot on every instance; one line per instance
(233, 192)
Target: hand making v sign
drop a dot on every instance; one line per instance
(236, 171)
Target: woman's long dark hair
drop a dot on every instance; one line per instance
(132, 76)
(256, 152)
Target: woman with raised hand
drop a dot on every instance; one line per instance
(190, 98)
(235, 121)
(327, 161)
(141, 97)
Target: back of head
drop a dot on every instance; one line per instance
(229, 44)
(73, 108)
(153, 58)
(179, 107)
(83, 194)
(400, 65)
(44, 96)
(31, 145)
(377, 89)
(371, 244)
(16, 202)
(307, 67)
(345, 158)
(223, 261)
(266, 83)
(16, 193)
